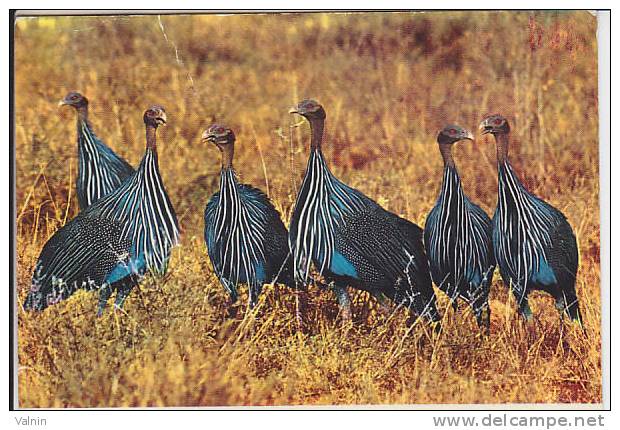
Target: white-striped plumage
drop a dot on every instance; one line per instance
(114, 241)
(522, 225)
(100, 170)
(457, 236)
(146, 215)
(239, 227)
(322, 203)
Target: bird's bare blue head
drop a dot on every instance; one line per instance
(453, 133)
(309, 109)
(219, 135)
(155, 116)
(494, 124)
(75, 100)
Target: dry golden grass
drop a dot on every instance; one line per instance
(388, 82)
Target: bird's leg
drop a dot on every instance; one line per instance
(483, 318)
(231, 289)
(525, 311)
(561, 307)
(301, 303)
(528, 318)
(455, 304)
(249, 318)
(453, 294)
(480, 305)
(104, 295)
(571, 308)
(343, 300)
(561, 332)
(231, 311)
(254, 291)
(121, 295)
(233, 296)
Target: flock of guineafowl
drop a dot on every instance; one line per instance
(337, 237)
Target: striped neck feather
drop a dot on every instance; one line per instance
(97, 176)
(87, 140)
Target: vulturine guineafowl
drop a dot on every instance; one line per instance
(351, 240)
(245, 237)
(534, 244)
(115, 241)
(457, 237)
(100, 170)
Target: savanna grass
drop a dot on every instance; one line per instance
(388, 81)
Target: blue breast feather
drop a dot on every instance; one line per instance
(258, 201)
(544, 275)
(261, 276)
(134, 266)
(474, 277)
(341, 266)
(540, 273)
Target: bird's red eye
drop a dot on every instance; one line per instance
(74, 97)
(452, 131)
(498, 121)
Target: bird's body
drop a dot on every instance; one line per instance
(352, 241)
(81, 254)
(458, 238)
(100, 169)
(114, 242)
(245, 237)
(534, 244)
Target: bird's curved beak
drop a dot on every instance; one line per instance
(162, 118)
(62, 103)
(483, 128)
(469, 135)
(293, 110)
(206, 137)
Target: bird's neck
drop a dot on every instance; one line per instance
(316, 133)
(451, 189)
(228, 177)
(446, 153)
(151, 138)
(82, 116)
(501, 142)
(228, 152)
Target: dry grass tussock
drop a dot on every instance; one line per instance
(388, 82)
